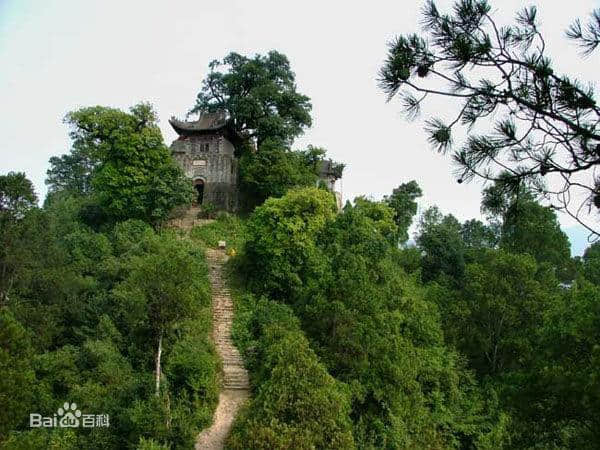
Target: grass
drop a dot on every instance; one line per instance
(228, 228)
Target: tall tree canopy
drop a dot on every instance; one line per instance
(443, 247)
(591, 263)
(16, 195)
(545, 124)
(403, 201)
(259, 94)
(120, 157)
(528, 227)
(367, 320)
(73, 171)
(17, 198)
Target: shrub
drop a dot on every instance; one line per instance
(207, 211)
(281, 250)
(298, 404)
(192, 369)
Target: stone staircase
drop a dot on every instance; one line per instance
(234, 374)
(236, 386)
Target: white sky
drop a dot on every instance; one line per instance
(56, 56)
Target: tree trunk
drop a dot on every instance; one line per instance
(158, 354)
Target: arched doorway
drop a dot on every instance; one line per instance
(199, 186)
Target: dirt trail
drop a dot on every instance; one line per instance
(236, 387)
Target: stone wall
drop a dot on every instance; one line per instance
(210, 158)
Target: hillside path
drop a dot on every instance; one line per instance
(236, 387)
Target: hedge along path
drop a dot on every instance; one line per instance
(236, 386)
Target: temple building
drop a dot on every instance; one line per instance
(205, 150)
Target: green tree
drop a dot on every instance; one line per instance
(16, 196)
(503, 306)
(274, 169)
(591, 263)
(17, 384)
(478, 235)
(403, 202)
(502, 74)
(368, 321)
(563, 386)
(528, 227)
(440, 239)
(161, 288)
(297, 404)
(281, 250)
(259, 94)
(135, 176)
(72, 172)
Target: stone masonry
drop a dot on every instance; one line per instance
(205, 151)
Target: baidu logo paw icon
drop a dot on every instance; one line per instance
(69, 416)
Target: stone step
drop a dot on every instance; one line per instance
(230, 356)
(237, 387)
(240, 375)
(235, 371)
(234, 362)
(229, 353)
(227, 346)
(235, 380)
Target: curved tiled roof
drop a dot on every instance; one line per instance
(206, 122)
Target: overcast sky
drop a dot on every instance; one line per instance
(56, 56)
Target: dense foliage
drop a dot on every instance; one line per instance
(297, 403)
(465, 341)
(120, 160)
(274, 169)
(522, 312)
(403, 201)
(79, 320)
(367, 320)
(259, 94)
